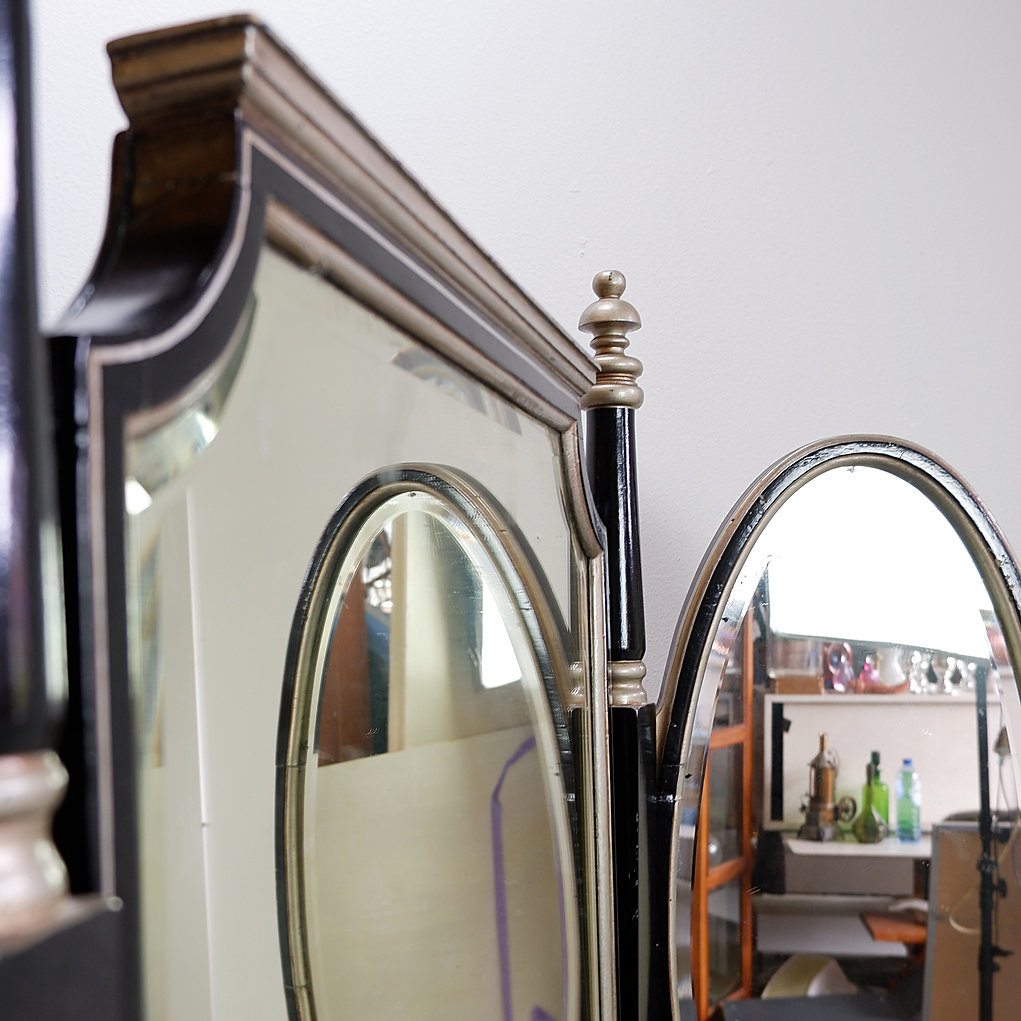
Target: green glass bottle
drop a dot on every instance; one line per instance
(869, 827)
(881, 793)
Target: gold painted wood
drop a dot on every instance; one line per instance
(196, 72)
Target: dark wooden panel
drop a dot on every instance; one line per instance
(28, 708)
(72, 975)
(613, 477)
(632, 769)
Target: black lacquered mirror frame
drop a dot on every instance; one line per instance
(683, 764)
(170, 290)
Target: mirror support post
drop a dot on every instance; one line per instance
(991, 885)
(610, 460)
(33, 880)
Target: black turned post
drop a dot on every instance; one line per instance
(610, 455)
(32, 678)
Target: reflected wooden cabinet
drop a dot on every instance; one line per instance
(721, 916)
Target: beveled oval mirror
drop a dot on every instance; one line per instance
(427, 844)
(859, 608)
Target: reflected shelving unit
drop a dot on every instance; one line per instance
(722, 935)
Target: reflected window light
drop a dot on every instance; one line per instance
(499, 664)
(841, 567)
(8, 182)
(206, 426)
(377, 572)
(136, 496)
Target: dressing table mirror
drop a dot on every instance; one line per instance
(861, 596)
(334, 584)
(355, 718)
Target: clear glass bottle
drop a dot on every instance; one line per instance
(909, 803)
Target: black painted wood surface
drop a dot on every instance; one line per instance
(632, 768)
(612, 470)
(70, 970)
(71, 976)
(30, 702)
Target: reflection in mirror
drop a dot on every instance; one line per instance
(428, 846)
(855, 668)
(216, 545)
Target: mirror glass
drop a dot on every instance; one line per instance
(837, 707)
(226, 492)
(434, 832)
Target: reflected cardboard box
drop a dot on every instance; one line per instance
(791, 683)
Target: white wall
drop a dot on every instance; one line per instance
(818, 206)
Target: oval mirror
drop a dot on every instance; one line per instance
(427, 847)
(841, 750)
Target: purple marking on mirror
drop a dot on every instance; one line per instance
(563, 940)
(500, 889)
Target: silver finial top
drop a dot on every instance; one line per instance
(609, 319)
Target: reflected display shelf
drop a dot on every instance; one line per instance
(891, 847)
(857, 725)
(812, 923)
(835, 697)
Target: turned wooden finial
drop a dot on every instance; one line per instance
(609, 319)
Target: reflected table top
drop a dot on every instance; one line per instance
(853, 1007)
(895, 926)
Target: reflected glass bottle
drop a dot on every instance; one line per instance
(909, 803)
(881, 792)
(870, 827)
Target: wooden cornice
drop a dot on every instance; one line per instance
(202, 71)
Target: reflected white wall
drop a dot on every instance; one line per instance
(817, 206)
